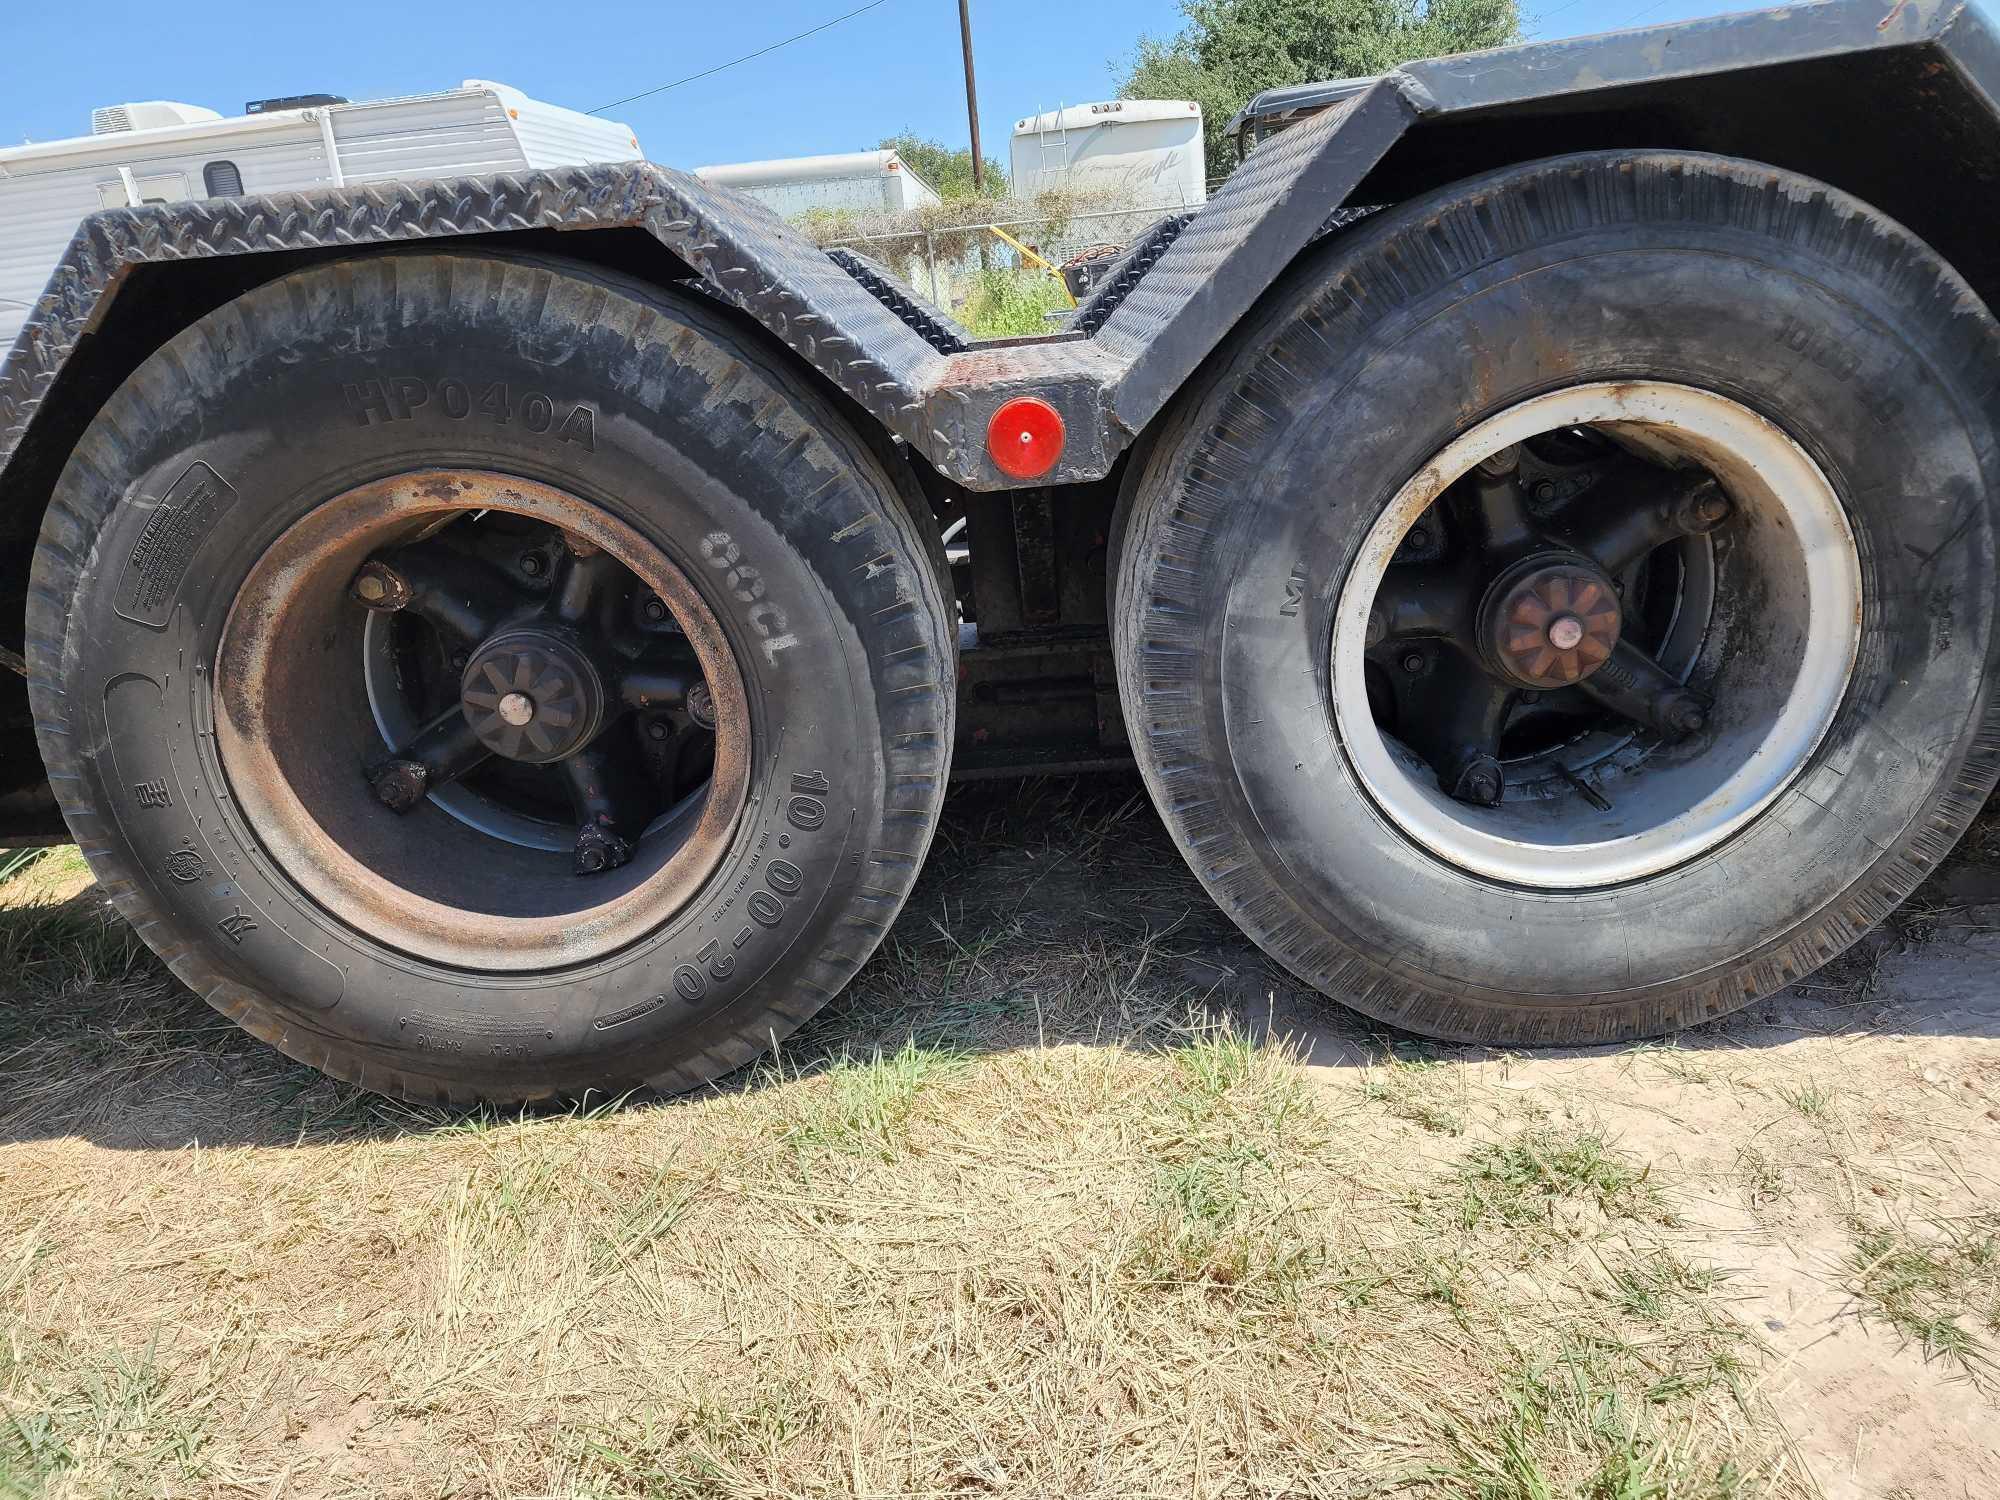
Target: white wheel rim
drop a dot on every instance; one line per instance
(1791, 512)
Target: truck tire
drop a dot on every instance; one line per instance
(486, 678)
(1566, 613)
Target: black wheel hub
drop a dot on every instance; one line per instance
(1502, 600)
(538, 670)
(532, 696)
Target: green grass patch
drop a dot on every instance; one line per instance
(1811, 1099)
(1579, 1421)
(1227, 1126)
(1938, 1286)
(1006, 304)
(865, 1106)
(1519, 1181)
(1427, 1094)
(1652, 1287)
(117, 1412)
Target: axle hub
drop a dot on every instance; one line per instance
(1550, 623)
(532, 696)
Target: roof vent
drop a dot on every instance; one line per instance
(292, 101)
(154, 114)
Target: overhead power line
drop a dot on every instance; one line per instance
(737, 61)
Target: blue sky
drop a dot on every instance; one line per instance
(841, 90)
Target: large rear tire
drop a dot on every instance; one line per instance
(1568, 613)
(485, 678)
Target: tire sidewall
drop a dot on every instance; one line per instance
(670, 417)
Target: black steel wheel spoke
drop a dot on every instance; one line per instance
(581, 584)
(1634, 686)
(459, 595)
(439, 753)
(662, 677)
(612, 805)
(1451, 714)
(1503, 511)
(1422, 599)
(1637, 507)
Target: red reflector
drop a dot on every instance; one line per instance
(1025, 437)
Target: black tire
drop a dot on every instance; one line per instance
(698, 424)
(1789, 297)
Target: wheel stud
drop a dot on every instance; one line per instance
(400, 784)
(380, 587)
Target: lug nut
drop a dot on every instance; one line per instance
(1480, 783)
(1704, 510)
(533, 564)
(701, 705)
(1413, 662)
(380, 587)
(1686, 716)
(399, 784)
(599, 849)
(656, 611)
(657, 730)
(1418, 537)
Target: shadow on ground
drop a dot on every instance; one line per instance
(1051, 912)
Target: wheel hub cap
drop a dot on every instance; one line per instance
(1551, 624)
(532, 696)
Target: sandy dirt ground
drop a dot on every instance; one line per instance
(1073, 1193)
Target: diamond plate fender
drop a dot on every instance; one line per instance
(899, 361)
(746, 254)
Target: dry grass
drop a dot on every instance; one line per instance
(1046, 1206)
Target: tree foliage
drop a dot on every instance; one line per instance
(947, 171)
(1231, 49)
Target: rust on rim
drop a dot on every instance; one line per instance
(274, 655)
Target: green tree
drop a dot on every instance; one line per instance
(1231, 49)
(947, 171)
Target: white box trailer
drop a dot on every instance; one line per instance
(161, 152)
(1145, 153)
(849, 181)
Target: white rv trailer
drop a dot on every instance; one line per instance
(165, 152)
(852, 181)
(1142, 153)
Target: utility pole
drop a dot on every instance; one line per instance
(971, 98)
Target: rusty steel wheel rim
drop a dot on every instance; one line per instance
(558, 695)
(1678, 630)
